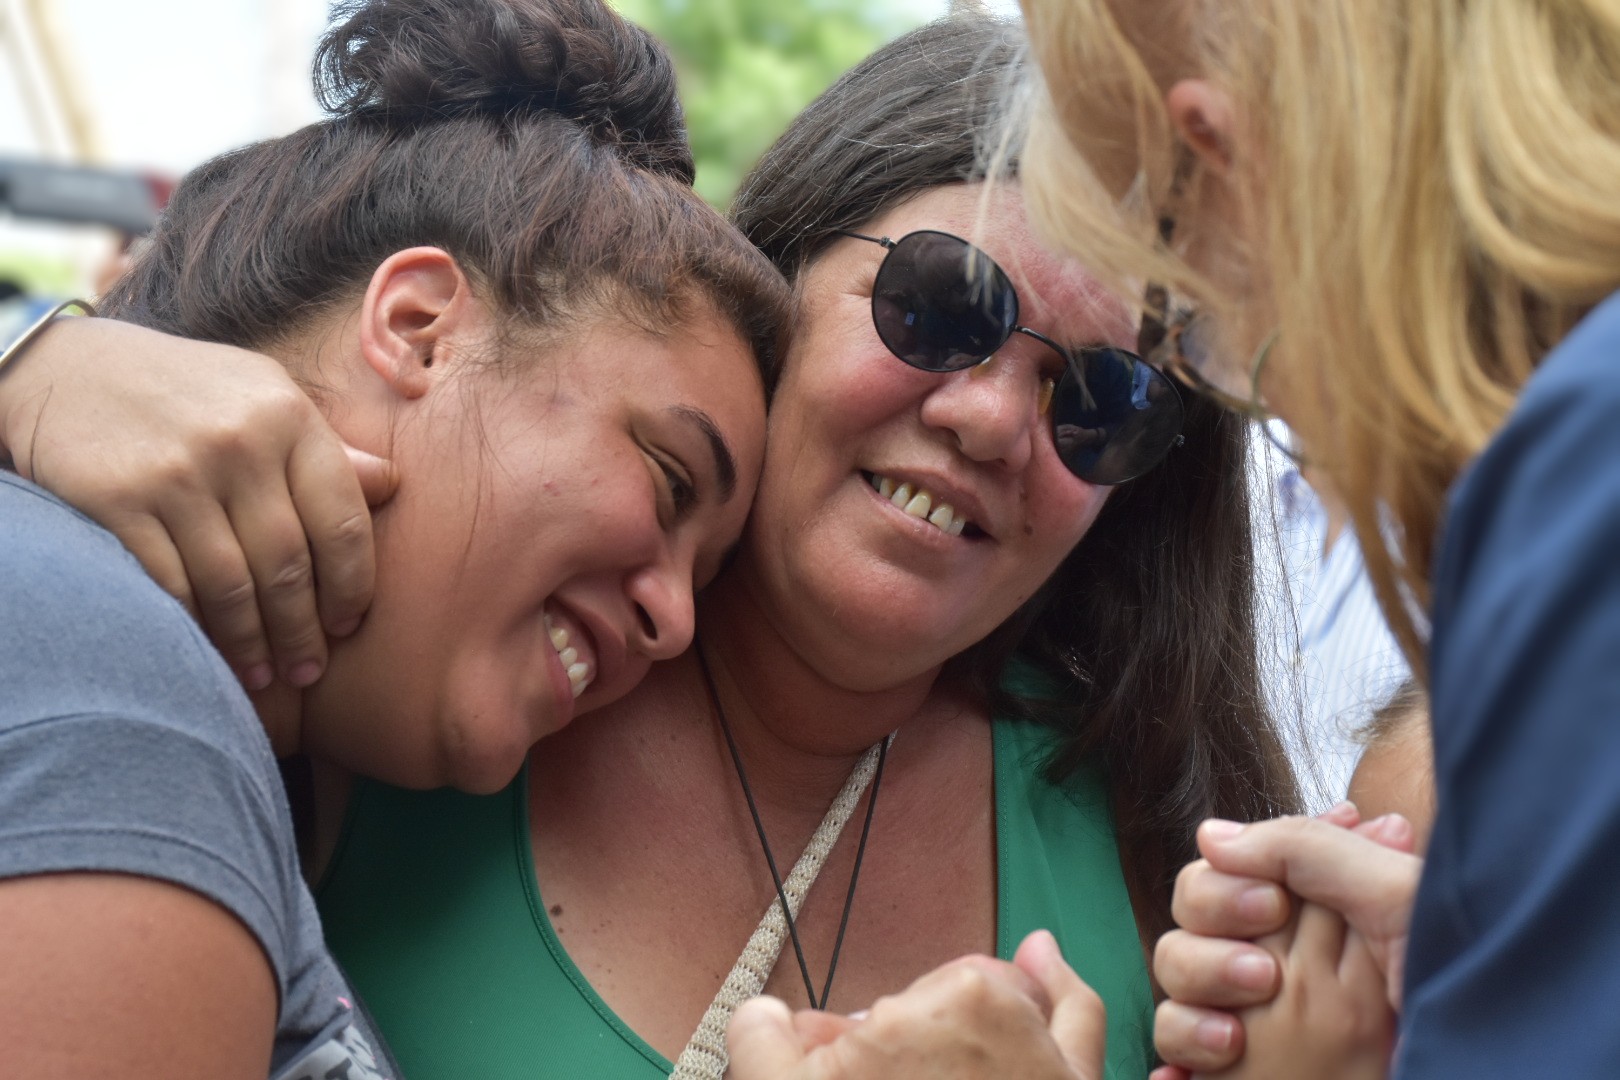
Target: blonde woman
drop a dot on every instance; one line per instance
(1397, 225)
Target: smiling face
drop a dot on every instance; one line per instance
(542, 547)
(868, 590)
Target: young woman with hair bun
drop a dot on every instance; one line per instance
(488, 266)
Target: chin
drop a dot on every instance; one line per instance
(871, 662)
(482, 757)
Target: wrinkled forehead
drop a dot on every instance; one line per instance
(1056, 295)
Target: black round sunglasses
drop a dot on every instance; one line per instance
(941, 304)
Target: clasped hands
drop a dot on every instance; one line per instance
(1289, 957)
(974, 1018)
(1288, 963)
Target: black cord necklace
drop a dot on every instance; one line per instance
(770, 860)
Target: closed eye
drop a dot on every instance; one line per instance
(679, 492)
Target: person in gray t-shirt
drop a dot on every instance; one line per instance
(128, 748)
(487, 264)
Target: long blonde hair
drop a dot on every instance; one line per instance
(1435, 192)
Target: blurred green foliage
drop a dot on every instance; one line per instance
(41, 274)
(748, 66)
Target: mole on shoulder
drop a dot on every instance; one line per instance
(556, 910)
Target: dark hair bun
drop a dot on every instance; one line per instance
(415, 61)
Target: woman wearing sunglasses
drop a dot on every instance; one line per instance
(1409, 213)
(984, 656)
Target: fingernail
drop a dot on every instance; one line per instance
(1221, 829)
(1392, 829)
(1345, 810)
(345, 628)
(305, 674)
(1252, 971)
(859, 1016)
(1214, 1033)
(1260, 903)
(258, 677)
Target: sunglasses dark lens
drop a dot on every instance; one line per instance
(940, 304)
(1121, 423)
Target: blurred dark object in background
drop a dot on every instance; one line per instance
(126, 201)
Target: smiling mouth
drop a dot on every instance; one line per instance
(918, 502)
(578, 668)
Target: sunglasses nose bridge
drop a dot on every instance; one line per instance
(1071, 366)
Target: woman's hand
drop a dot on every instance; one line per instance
(1331, 1018)
(217, 471)
(1236, 893)
(973, 1019)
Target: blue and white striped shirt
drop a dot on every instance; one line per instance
(1340, 660)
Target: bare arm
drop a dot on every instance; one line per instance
(114, 975)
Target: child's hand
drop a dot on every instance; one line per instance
(1332, 1016)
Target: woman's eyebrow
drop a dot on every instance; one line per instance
(725, 466)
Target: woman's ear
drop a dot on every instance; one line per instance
(1202, 115)
(417, 302)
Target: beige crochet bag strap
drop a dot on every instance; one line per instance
(705, 1055)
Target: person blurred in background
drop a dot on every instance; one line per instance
(1396, 772)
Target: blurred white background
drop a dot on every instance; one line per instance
(162, 86)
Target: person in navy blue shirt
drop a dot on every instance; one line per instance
(1397, 227)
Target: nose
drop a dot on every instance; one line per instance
(991, 410)
(661, 599)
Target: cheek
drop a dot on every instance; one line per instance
(560, 520)
(838, 399)
(1061, 510)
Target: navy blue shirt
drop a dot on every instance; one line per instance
(1514, 964)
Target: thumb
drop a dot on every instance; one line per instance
(378, 477)
(762, 1041)
(1371, 885)
(1393, 831)
(1079, 1023)
(816, 1028)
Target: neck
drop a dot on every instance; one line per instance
(281, 711)
(798, 731)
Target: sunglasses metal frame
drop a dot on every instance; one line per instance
(1160, 342)
(1071, 364)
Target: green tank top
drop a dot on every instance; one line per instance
(432, 907)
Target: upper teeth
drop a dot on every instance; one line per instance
(579, 672)
(919, 502)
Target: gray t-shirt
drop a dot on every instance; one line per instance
(127, 746)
